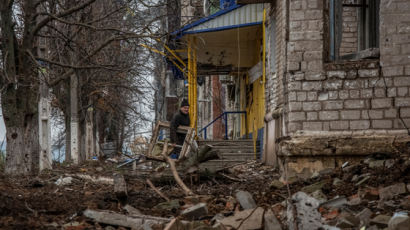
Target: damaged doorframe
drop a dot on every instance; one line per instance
(189, 142)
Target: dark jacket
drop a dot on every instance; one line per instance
(178, 119)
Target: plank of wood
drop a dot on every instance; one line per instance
(116, 219)
(120, 187)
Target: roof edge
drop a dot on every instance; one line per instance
(207, 18)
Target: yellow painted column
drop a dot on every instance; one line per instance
(191, 113)
(195, 85)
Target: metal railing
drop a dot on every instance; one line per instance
(224, 116)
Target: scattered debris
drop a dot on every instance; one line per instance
(245, 199)
(195, 212)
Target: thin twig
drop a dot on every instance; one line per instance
(157, 190)
(250, 214)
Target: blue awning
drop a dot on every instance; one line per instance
(232, 17)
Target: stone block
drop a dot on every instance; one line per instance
(312, 126)
(245, 199)
(311, 106)
(195, 212)
(292, 96)
(309, 46)
(294, 126)
(382, 124)
(297, 15)
(351, 74)
(350, 114)
(302, 96)
(333, 84)
(315, 76)
(391, 191)
(313, 85)
(354, 84)
(323, 96)
(359, 124)
(343, 94)
(380, 82)
(312, 116)
(295, 5)
(390, 113)
(339, 125)
(391, 92)
(366, 93)
(407, 70)
(365, 216)
(368, 72)
(333, 105)
(401, 81)
(328, 115)
(312, 96)
(295, 106)
(333, 95)
(381, 103)
(393, 71)
(375, 114)
(402, 101)
(336, 74)
(354, 93)
(297, 116)
(296, 36)
(312, 55)
(293, 66)
(295, 25)
(296, 85)
(399, 221)
(402, 91)
(380, 92)
(354, 104)
(313, 14)
(398, 124)
(405, 112)
(365, 114)
(315, 65)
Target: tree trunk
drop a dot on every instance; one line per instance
(21, 120)
(74, 121)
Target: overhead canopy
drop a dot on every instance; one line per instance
(227, 40)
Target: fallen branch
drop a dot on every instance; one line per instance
(170, 224)
(116, 219)
(232, 178)
(98, 180)
(157, 191)
(171, 163)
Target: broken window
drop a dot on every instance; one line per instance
(354, 29)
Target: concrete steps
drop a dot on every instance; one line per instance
(232, 152)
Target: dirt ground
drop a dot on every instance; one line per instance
(38, 203)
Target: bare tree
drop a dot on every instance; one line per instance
(91, 55)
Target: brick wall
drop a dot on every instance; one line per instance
(349, 96)
(304, 64)
(349, 41)
(395, 54)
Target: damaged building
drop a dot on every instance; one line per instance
(316, 83)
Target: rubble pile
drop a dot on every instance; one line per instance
(372, 194)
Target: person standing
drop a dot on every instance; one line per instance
(180, 118)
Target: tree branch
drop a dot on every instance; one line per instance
(46, 20)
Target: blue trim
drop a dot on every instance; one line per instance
(205, 19)
(221, 28)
